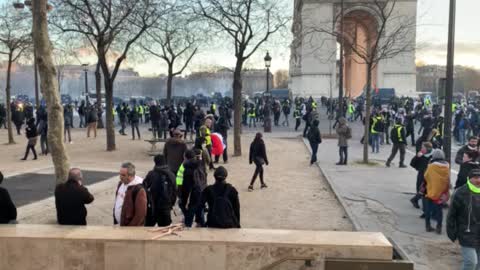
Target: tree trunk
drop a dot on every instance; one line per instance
(169, 85)
(367, 113)
(237, 108)
(109, 115)
(48, 83)
(98, 89)
(8, 101)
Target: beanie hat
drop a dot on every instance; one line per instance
(437, 154)
(474, 173)
(220, 173)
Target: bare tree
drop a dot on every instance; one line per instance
(15, 40)
(248, 24)
(108, 25)
(49, 86)
(177, 43)
(390, 34)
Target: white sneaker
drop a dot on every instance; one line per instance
(70, 142)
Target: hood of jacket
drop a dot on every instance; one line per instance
(176, 141)
(162, 169)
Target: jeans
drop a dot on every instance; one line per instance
(135, 127)
(375, 142)
(471, 258)
(396, 147)
(461, 136)
(298, 122)
(314, 147)
(343, 151)
(433, 210)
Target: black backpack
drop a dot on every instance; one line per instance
(222, 215)
(200, 178)
(161, 194)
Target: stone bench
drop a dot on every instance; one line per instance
(153, 149)
(28, 247)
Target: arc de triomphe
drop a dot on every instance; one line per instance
(314, 54)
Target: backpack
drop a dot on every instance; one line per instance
(221, 215)
(200, 178)
(162, 194)
(349, 133)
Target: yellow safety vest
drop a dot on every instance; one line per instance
(251, 115)
(180, 172)
(399, 132)
(208, 139)
(351, 109)
(372, 130)
(140, 109)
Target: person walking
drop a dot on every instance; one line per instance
(410, 126)
(471, 146)
(134, 118)
(420, 163)
(204, 133)
(463, 221)
(32, 136)
(315, 139)
(437, 180)
(376, 129)
(223, 202)
(344, 133)
(68, 123)
(399, 139)
(258, 155)
(162, 193)
(469, 163)
(91, 119)
(42, 118)
(81, 114)
(130, 206)
(298, 117)
(3, 116)
(8, 213)
(174, 151)
(122, 116)
(71, 198)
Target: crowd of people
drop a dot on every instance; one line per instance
(180, 173)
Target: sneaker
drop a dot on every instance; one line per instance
(70, 142)
(438, 230)
(430, 229)
(250, 188)
(339, 163)
(263, 186)
(387, 164)
(402, 166)
(422, 215)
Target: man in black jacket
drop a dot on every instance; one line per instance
(8, 211)
(70, 200)
(161, 193)
(314, 138)
(463, 220)
(399, 139)
(221, 126)
(191, 190)
(223, 202)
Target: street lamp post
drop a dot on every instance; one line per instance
(447, 132)
(267, 119)
(87, 94)
(20, 6)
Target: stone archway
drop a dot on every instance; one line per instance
(359, 33)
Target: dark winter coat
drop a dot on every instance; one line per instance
(258, 151)
(222, 126)
(215, 190)
(190, 192)
(465, 170)
(8, 211)
(92, 115)
(156, 176)
(464, 204)
(31, 130)
(70, 200)
(313, 134)
(173, 151)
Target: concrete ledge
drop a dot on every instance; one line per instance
(54, 247)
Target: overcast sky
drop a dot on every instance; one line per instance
(431, 37)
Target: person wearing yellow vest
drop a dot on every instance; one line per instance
(376, 130)
(351, 112)
(205, 134)
(251, 117)
(399, 139)
(140, 111)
